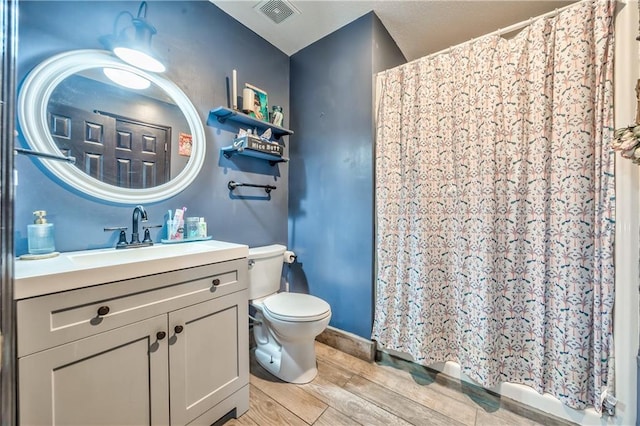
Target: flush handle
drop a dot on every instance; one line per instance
(178, 329)
(103, 310)
(161, 335)
(216, 282)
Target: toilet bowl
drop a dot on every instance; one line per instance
(287, 323)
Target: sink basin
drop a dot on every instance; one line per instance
(99, 257)
(79, 269)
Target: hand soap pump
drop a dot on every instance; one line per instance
(40, 234)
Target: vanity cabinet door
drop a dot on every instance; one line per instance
(113, 378)
(208, 358)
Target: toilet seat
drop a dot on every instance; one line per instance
(296, 307)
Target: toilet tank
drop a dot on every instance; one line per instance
(265, 270)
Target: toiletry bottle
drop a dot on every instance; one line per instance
(277, 116)
(192, 227)
(203, 228)
(40, 235)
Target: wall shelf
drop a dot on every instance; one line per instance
(222, 114)
(248, 152)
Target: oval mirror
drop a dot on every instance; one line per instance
(131, 145)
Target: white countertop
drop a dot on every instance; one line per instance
(71, 270)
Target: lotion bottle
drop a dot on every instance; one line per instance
(40, 234)
(202, 227)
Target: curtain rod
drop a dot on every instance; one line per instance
(498, 32)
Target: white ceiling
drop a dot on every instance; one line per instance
(419, 27)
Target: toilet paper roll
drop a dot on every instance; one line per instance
(289, 257)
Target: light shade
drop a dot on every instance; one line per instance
(138, 58)
(126, 78)
(132, 44)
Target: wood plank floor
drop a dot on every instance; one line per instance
(350, 391)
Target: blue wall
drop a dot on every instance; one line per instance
(331, 184)
(331, 174)
(200, 45)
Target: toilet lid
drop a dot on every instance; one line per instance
(296, 307)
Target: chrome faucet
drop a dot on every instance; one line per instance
(138, 213)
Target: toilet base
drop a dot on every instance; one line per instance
(292, 363)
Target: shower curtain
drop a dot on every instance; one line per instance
(495, 207)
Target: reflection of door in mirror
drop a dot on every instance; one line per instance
(113, 149)
(77, 79)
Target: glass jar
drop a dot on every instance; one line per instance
(192, 227)
(175, 230)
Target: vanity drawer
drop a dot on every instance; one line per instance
(55, 319)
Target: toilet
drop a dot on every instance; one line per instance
(287, 323)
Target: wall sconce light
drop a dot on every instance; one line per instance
(132, 44)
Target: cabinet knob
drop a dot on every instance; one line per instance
(161, 335)
(103, 310)
(216, 282)
(178, 329)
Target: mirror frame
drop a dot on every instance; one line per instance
(32, 112)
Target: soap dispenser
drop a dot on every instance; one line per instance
(40, 234)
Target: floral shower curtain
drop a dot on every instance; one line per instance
(495, 207)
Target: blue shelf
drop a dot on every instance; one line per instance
(248, 152)
(222, 114)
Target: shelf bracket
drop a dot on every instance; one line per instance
(223, 118)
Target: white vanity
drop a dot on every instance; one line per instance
(154, 335)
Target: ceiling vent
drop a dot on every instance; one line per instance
(277, 10)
